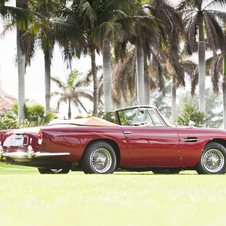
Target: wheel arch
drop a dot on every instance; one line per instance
(216, 140)
(114, 145)
(220, 141)
(203, 168)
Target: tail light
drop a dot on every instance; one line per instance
(40, 137)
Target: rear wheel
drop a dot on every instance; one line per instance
(53, 171)
(212, 160)
(99, 158)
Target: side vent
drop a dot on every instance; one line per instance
(190, 139)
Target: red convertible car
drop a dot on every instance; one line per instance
(140, 140)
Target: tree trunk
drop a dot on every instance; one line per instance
(174, 114)
(146, 87)
(146, 83)
(224, 93)
(140, 74)
(107, 75)
(95, 85)
(21, 75)
(69, 108)
(47, 81)
(202, 68)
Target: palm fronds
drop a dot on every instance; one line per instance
(73, 90)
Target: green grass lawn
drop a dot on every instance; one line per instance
(188, 199)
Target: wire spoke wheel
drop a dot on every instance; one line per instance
(213, 160)
(56, 170)
(101, 160)
(53, 171)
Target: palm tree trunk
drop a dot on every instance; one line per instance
(140, 74)
(224, 93)
(69, 108)
(146, 87)
(21, 75)
(146, 83)
(107, 75)
(202, 66)
(47, 81)
(173, 90)
(95, 85)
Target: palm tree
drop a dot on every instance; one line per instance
(217, 67)
(72, 91)
(224, 93)
(143, 41)
(19, 16)
(22, 17)
(46, 38)
(172, 32)
(199, 15)
(123, 23)
(101, 22)
(21, 58)
(148, 40)
(78, 20)
(100, 88)
(124, 79)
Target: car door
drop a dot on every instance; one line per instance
(151, 140)
(150, 143)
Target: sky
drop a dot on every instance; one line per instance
(35, 75)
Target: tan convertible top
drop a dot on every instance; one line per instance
(95, 121)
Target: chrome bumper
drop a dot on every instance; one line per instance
(30, 154)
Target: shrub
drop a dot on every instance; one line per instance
(34, 116)
(189, 114)
(8, 123)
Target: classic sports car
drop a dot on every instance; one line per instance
(140, 141)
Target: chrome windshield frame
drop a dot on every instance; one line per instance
(144, 107)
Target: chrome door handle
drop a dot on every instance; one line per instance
(128, 132)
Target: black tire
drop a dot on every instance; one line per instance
(53, 171)
(99, 158)
(212, 160)
(166, 171)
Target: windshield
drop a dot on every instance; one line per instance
(167, 122)
(139, 117)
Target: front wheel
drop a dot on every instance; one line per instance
(99, 158)
(212, 160)
(53, 171)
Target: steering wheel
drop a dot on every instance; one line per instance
(127, 122)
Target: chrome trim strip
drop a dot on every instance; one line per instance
(27, 140)
(137, 106)
(50, 154)
(30, 154)
(18, 154)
